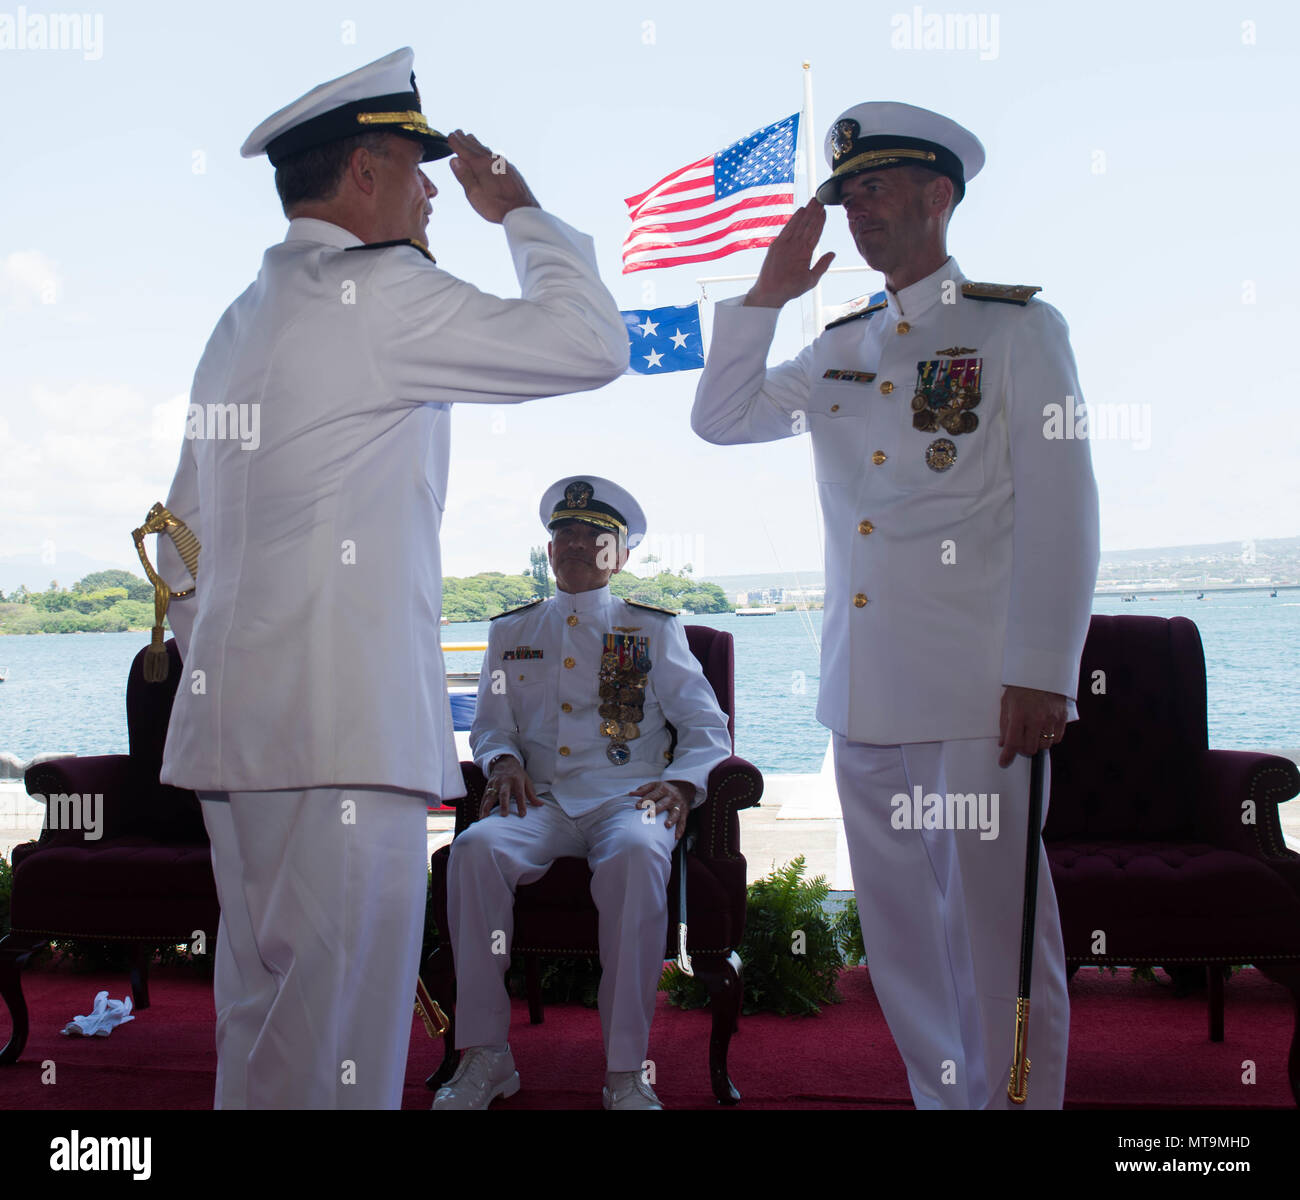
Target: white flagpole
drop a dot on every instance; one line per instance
(810, 169)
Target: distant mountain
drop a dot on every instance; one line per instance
(1271, 546)
(67, 567)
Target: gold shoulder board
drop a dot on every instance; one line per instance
(510, 612)
(870, 308)
(1004, 293)
(651, 607)
(420, 246)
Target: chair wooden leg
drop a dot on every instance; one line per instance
(15, 950)
(1289, 978)
(141, 957)
(1214, 975)
(439, 977)
(724, 979)
(533, 984)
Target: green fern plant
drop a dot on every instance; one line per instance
(791, 953)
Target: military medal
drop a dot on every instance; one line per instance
(946, 392)
(624, 665)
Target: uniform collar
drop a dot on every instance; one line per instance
(917, 297)
(582, 602)
(309, 229)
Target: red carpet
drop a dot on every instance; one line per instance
(1132, 1044)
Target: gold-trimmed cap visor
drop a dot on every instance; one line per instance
(396, 113)
(595, 501)
(881, 153)
(883, 134)
(381, 96)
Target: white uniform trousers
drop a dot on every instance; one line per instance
(630, 860)
(941, 920)
(322, 915)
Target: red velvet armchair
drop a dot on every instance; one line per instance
(146, 880)
(556, 917)
(1164, 852)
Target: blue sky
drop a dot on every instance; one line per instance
(1141, 168)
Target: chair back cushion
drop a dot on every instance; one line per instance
(1125, 767)
(166, 813)
(716, 650)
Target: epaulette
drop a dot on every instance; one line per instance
(420, 246)
(863, 306)
(510, 612)
(651, 607)
(1003, 293)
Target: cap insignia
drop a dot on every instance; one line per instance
(577, 494)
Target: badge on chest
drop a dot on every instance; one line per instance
(624, 667)
(947, 393)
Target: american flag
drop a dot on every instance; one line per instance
(733, 200)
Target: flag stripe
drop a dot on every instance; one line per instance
(633, 201)
(729, 248)
(735, 199)
(778, 202)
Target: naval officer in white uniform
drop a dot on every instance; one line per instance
(571, 728)
(313, 716)
(961, 553)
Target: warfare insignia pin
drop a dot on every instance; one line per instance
(955, 351)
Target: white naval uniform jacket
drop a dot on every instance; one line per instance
(941, 586)
(315, 622)
(538, 699)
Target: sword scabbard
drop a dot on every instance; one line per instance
(1018, 1087)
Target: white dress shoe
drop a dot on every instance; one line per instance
(628, 1089)
(482, 1076)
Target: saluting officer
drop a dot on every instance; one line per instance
(961, 554)
(574, 701)
(313, 717)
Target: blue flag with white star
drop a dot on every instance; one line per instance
(664, 339)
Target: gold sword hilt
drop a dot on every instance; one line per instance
(435, 1020)
(1018, 1086)
(160, 521)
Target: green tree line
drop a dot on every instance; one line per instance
(115, 601)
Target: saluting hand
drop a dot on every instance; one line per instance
(492, 185)
(785, 272)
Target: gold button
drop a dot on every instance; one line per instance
(886, 388)
(835, 408)
(859, 600)
(564, 750)
(865, 527)
(879, 457)
(568, 662)
(903, 327)
(572, 618)
(521, 679)
(566, 707)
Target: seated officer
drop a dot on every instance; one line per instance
(571, 729)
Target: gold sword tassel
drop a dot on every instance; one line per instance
(430, 1011)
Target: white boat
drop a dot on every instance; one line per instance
(756, 612)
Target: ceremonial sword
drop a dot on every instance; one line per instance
(1018, 1086)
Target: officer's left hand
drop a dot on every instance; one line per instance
(1031, 721)
(673, 797)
